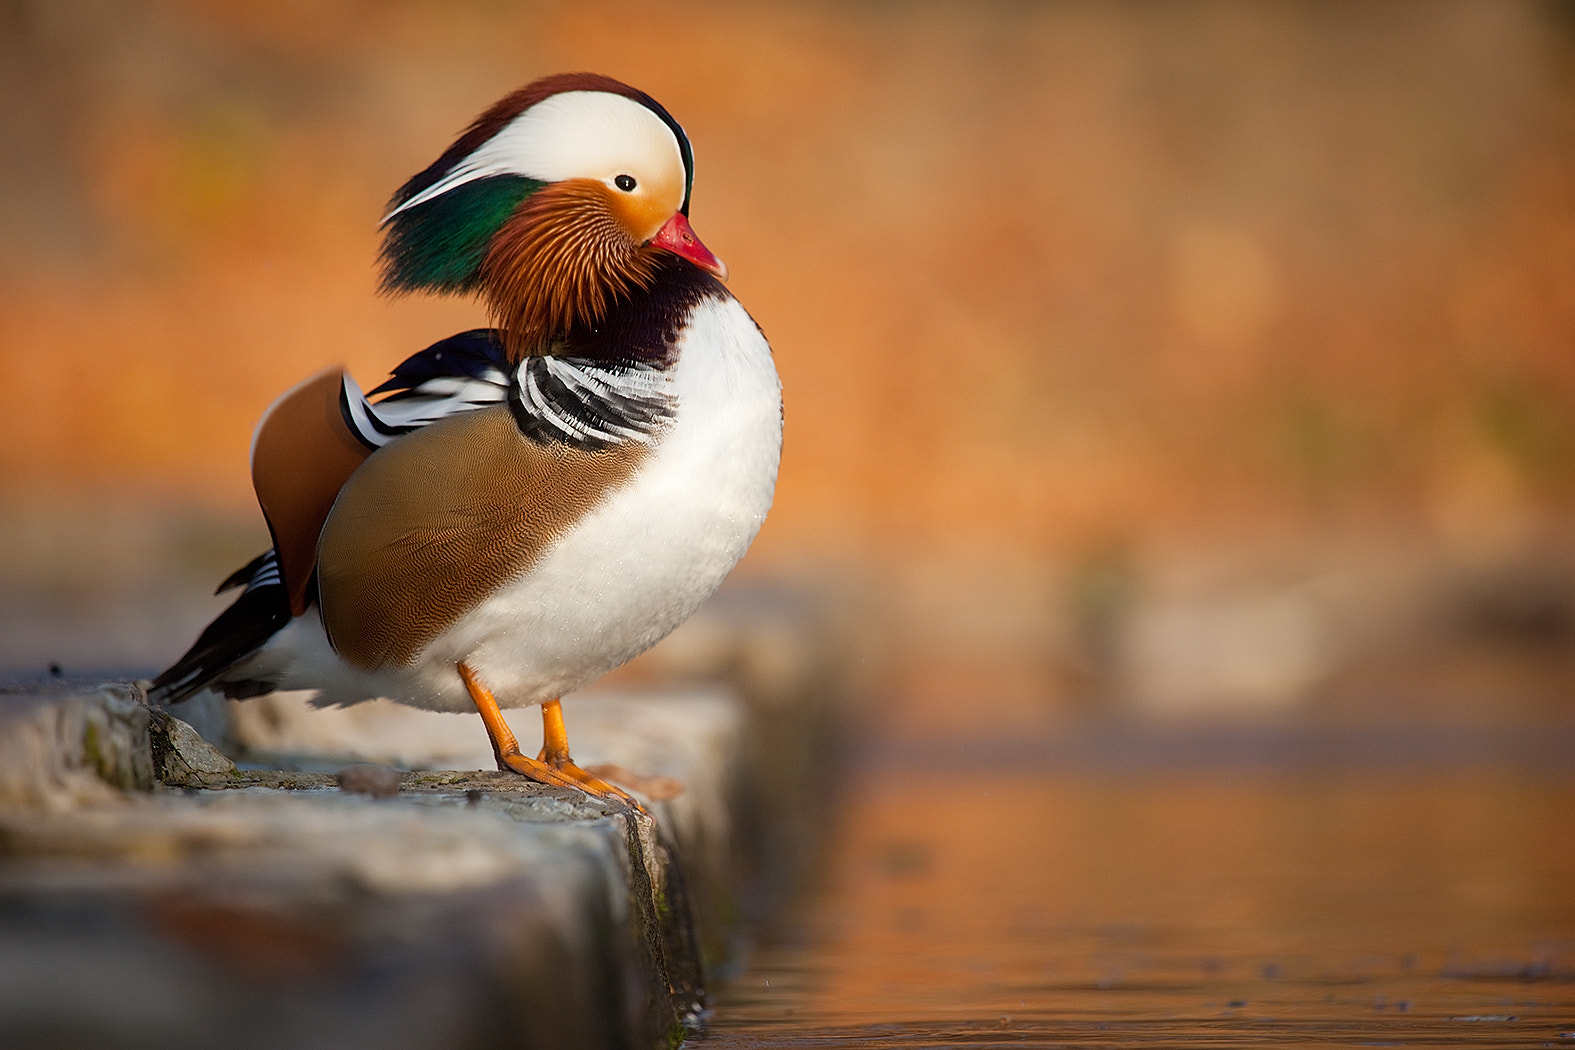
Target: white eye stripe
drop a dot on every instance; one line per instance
(574, 134)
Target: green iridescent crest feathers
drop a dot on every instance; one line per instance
(438, 245)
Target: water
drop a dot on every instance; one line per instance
(1356, 889)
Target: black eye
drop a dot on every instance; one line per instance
(625, 183)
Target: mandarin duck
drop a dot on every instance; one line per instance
(525, 507)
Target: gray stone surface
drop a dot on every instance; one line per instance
(153, 894)
(62, 748)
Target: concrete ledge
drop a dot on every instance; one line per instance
(61, 748)
(152, 893)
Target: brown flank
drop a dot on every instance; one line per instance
(435, 522)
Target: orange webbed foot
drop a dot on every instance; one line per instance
(553, 765)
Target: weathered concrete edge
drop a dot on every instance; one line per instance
(66, 749)
(85, 749)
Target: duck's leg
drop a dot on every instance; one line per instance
(553, 765)
(555, 753)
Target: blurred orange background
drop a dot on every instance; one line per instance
(1206, 354)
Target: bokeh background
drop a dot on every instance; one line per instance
(1141, 360)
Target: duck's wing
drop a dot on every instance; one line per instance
(314, 437)
(303, 451)
(306, 447)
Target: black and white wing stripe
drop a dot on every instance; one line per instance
(591, 404)
(460, 373)
(588, 403)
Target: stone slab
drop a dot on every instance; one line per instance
(154, 894)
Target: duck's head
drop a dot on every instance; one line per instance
(553, 204)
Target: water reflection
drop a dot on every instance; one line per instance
(1198, 903)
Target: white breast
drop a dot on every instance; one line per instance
(646, 558)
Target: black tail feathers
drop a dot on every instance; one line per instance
(261, 610)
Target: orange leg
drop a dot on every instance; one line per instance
(553, 765)
(554, 738)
